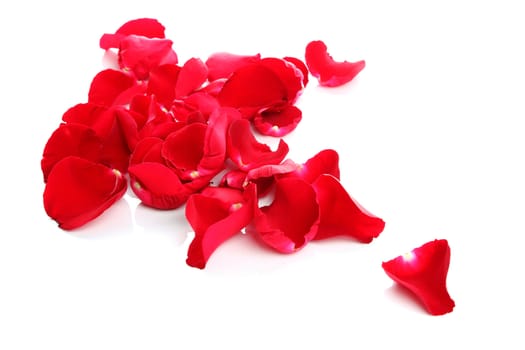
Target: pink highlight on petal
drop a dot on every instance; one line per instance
(424, 271)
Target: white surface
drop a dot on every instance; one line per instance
(430, 139)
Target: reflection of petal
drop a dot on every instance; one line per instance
(424, 272)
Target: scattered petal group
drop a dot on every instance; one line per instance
(186, 134)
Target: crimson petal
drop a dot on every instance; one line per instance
(158, 186)
(162, 82)
(326, 70)
(288, 73)
(291, 220)
(324, 162)
(247, 152)
(216, 215)
(79, 190)
(70, 140)
(424, 272)
(301, 66)
(341, 215)
(108, 85)
(192, 75)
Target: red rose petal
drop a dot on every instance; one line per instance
(148, 149)
(291, 220)
(247, 152)
(277, 121)
(301, 66)
(324, 162)
(341, 215)
(158, 186)
(216, 216)
(79, 190)
(70, 140)
(223, 64)
(424, 272)
(140, 54)
(326, 70)
(192, 75)
(251, 88)
(108, 85)
(148, 27)
(162, 82)
(184, 148)
(290, 76)
(264, 176)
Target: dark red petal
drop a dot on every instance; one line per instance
(301, 66)
(79, 190)
(326, 70)
(247, 152)
(341, 215)
(140, 54)
(198, 103)
(252, 87)
(148, 149)
(158, 186)
(288, 73)
(148, 27)
(324, 162)
(216, 216)
(192, 75)
(223, 64)
(291, 220)
(162, 82)
(108, 85)
(70, 140)
(234, 179)
(424, 272)
(277, 121)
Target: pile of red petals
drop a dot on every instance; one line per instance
(185, 134)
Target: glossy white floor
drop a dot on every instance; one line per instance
(430, 140)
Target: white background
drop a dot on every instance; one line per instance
(430, 136)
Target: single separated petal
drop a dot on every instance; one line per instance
(424, 272)
(326, 70)
(79, 190)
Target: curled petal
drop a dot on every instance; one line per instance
(216, 215)
(326, 70)
(301, 66)
(192, 75)
(148, 27)
(291, 77)
(341, 215)
(223, 64)
(291, 220)
(264, 176)
(324, 162)
(424, 272)
(277, 121)
(158, 186)
(234, 179)
(247, 152)
(79, 190)
(70, 140)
